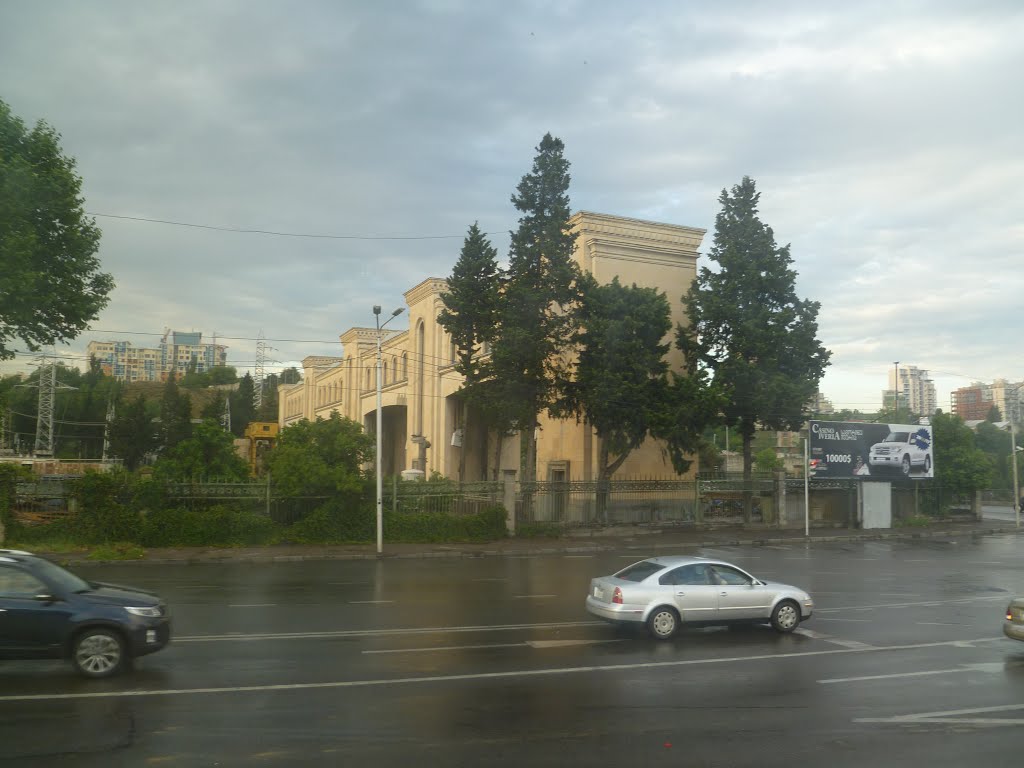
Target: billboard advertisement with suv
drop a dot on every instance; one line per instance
(842, 449)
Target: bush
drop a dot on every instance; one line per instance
(539, 531)
(218, 526)
(335, 522)
(487, 525)
(101, 515)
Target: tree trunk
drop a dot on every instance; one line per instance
(603, 479)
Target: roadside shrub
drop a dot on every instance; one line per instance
(334, 522)
(218, 526)
(101, 515)
(914, 521)
(487, 525)
(539, 531)
(9, 476)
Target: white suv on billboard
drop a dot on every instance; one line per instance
(903, 451)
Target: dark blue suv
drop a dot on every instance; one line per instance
(48, 612)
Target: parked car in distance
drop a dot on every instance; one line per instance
(1013, 627)
(49, 612)
(902, 452)
(664, 593)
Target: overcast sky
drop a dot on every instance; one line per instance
(885, 139)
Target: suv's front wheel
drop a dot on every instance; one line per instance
(98, 653)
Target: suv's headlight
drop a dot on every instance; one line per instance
(150, 611)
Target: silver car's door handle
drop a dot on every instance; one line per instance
(723, 594)
(680, 594)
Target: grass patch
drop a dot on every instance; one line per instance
(539, 531)
(56, 544)
(915, 521)
(119, 550)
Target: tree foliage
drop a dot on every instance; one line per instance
(133, 434)
(51, 285)
(748, 328)
(960, 466)
(321, 458)
(621, 378)
(470, 315)
(209, 453)
(243, 410)
(175, 415)
(539, 298)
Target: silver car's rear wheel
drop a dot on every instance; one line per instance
(663, 623)
(786, 616)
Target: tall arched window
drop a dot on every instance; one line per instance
(384, 373)
(405, 366)
(421, 350)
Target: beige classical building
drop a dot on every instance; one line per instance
(420, 408)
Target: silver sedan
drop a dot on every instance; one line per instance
(1013, 627)
(665, 592)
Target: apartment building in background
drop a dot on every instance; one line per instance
(974, 402)
(175, 353)
(914, 390)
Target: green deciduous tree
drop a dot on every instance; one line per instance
(748, 328)
(960, 466)
(51, 286)
(621, 377)
(208, 454)
(321, 458)
(529, 354)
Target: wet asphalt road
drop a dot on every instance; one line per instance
(493, 661)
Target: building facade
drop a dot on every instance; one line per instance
(421, 412)
(176, 352)
(974, 403)
(914, 390)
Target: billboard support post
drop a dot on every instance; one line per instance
(807, 491)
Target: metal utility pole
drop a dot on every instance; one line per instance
(896, 391)
(47, 395)
(261, 360)
(380, 423)
(106, 429)
(225, 419)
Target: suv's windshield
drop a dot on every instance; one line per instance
(58, 577)
(897, 437)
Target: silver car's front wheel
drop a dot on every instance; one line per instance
(786, 616)
(663, 623)
(98, 653)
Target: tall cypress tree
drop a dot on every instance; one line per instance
(470, 317)
(539, 298)
(748, 328)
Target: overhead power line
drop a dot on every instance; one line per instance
(241, 230)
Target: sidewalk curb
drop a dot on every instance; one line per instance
(611, 546)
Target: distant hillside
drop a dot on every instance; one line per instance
(153, 391)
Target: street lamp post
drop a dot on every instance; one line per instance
(1010, 413)
(380, 421)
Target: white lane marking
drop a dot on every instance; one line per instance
(889, 677)
(989, 667)
(537, 644)
(908, 605)
(532, 597)
(853, 621)
(484, 676)
(986, 562)
(252, 605)
(381, 632)
(938, 717)
(369, 602)
(852, 644)
(899, 594)
(919, 561)
(938, 623)
(445, 648)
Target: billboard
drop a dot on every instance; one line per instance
(843, 449)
